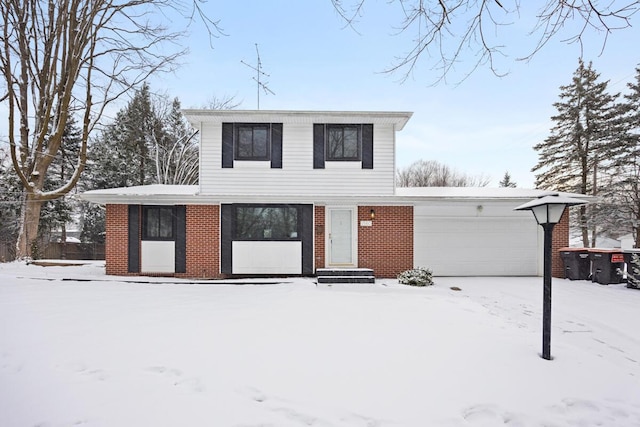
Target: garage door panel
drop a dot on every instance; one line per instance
(476, 246)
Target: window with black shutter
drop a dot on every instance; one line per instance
(252, 142)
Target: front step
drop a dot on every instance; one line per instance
(345, 275)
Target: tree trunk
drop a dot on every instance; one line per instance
(583, 227)
(26, 245)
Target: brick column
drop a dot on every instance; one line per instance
(387, 245)
(116, 249)
(203, 242)
(560, 240)
(319, 236)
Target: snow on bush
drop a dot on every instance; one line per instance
(416, 277)
(633, 275)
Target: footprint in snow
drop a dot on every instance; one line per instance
(175, 378)
(491, 416)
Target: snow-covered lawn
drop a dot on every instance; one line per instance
(81, 348)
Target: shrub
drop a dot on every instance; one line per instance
(633, 275)
(416, 277)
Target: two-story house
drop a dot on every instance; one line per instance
(291, 192)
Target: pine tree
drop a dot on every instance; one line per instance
(149, 142)
(625, 188)
(121, 155)
(55, 214)
(573, 157)
(10, 200)
(506, 181)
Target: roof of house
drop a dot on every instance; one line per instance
(190, 194)
(477, 193)
(397, 118)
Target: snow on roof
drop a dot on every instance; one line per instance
(176, 194)
(158, 193)
(476, 193)
(148, 190)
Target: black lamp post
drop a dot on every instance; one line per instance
(548, 210)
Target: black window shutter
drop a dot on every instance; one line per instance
(367, 146)
(181, 239)
(226, 234)
(307, 239)
(133, 262)
(318, 146)
(276, 145)
(227, 145)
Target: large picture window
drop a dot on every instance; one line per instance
(343, 142)
(252, 141)
(266, 222)
(158, 223)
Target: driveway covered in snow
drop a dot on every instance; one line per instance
(81, 348)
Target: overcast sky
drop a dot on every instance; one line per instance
(483, 125)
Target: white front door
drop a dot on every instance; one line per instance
(341, 242)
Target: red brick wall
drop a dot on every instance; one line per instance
(116, 245)
(203, 242)
(560, 240)
(319, 232)
(386, 246)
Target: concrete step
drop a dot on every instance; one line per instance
(346, 279)
(345, 275)
(344, 272)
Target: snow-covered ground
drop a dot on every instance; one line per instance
(81, 348)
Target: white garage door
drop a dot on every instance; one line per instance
(476, 246)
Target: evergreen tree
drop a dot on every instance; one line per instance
(625, 188)
(149, 142)
(120, 156)
(93, 223)
(573, 157)
(10, 200)
(56, 214)
(507, 182)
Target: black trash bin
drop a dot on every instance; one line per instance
(607, 266)
(633, 275)
(577, 264)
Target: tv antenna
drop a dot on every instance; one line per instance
(259, 73)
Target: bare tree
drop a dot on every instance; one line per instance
(430, 173)
(225, 102)
(175, 146)
(444, 30)
(68, 58)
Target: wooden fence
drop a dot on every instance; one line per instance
(55, 250)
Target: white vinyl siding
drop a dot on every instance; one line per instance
(267, 257)
(157, 256)
(297, 176)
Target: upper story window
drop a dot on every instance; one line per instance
(158, 223)
(343, 142)
(252, 142)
